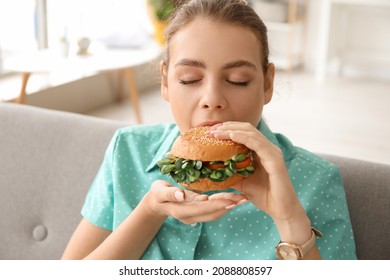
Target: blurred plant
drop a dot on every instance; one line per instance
(162, 8)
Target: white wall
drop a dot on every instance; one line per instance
(368, 34)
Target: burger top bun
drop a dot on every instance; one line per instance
(197, 144)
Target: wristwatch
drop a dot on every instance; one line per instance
(291, 251)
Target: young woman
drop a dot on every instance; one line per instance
(216, 73)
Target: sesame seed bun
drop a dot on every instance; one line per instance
(197, 144)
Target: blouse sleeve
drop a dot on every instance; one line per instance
(99, 203)
(332, 218)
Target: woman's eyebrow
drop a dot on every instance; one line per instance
(191, 62)
(201, 64)
(239, 63)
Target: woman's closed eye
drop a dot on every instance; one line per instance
(189, 82)
(240, 84)
(193, 81)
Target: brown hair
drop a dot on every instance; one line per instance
(231, 11)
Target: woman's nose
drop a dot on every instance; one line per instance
(212, 99)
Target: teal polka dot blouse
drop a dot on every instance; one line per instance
(129, 167)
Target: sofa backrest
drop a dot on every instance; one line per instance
(48, 160)
(367, 187)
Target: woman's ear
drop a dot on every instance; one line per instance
(164, 80)
(269, 83)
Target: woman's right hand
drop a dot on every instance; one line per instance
(189, 207)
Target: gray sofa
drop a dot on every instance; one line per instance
(48, 159)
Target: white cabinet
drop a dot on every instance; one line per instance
(285, 22)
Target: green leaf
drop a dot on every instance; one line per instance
(250, 169)
(167, 168)
(175, 178)
(214, 175)
(164, 162)
(185, 165)
(194, 176)
(198, 165)
(191, 171)
(182, 176)
(206, 170)
(243, 172)
(179, 163)
(241, 157)
(229, 172)
(197, 173)
(232, 166)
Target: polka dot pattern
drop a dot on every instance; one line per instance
(129, 168)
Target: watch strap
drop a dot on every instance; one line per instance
(304, 249)
(308, 245)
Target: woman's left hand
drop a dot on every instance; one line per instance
(269, 188)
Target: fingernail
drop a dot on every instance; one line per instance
(179, 196)
(215, 126)
(241, 202)
(214, 131)
(230, 206)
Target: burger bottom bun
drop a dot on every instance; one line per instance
(205, 184)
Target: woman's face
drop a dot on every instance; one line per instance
(215, 75)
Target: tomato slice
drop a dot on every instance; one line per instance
(215, 166)
(243, 164)
(239, 165)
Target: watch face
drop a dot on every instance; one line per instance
(287, 252)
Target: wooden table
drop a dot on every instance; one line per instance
(121, 60)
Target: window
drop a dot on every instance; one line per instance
(27, 25)
(117, 23)
(18, 27)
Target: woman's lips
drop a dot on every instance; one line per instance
(209, 123)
